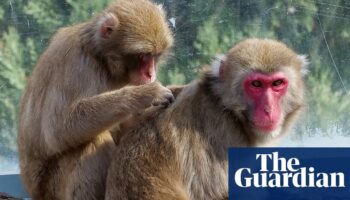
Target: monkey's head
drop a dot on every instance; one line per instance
(261, 81)
(133, 35)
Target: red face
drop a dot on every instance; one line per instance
(265, 92)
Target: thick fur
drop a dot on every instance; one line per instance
(182, 153)
(78, 92)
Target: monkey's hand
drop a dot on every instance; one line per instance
(153, 94)
(176, 89)
(163, 96)
(151, 100)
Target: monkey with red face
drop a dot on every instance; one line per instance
(250, 98)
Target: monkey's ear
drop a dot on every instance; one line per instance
(108, 23)
(218, 66)
(304, 64)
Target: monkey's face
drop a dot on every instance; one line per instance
(138, 33)
(264, 93)
(143, 52)
(141, 68)
(262, 84)
(141, 56)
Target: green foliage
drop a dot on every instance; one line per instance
(331, 105)
(49, 14)
(32, 55)
(12, 81)
(2, 12)
(85, 9)
(207, 41)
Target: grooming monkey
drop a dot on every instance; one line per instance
(130, 124)
(250, 98)
(92, 78)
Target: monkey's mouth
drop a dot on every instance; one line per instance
(265, 126)
(148, 73)
(147, 68)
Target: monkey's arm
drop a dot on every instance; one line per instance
(88, 117)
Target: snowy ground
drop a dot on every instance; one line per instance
(10, 166)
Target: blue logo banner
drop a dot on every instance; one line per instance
(289, 173)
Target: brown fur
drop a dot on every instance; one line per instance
(78, 92)
(126, 127)
(176, 89)
(183, 150)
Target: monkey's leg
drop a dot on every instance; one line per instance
(88, 178)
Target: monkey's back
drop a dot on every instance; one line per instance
(170, 153)
(145, 151)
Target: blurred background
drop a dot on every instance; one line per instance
(319, 29)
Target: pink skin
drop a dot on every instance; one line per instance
(147, 67)
(265, 91)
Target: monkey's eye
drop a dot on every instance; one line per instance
(257, 84)
(277, 83)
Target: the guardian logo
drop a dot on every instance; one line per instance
(289, 173)
(279, 172)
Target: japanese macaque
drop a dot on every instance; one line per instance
(91, 79)
(250, 98)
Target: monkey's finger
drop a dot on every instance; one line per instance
(165, 104)
(167, 99)
(159, 102)
(170, 98)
